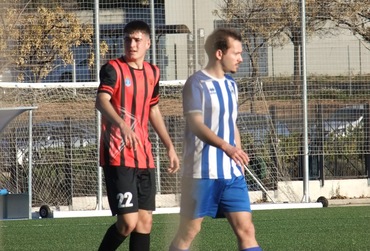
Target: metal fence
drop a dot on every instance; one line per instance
(58, 42)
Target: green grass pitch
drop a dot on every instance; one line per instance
(331, 228)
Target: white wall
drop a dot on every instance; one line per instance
(187, 15)
(343, 54)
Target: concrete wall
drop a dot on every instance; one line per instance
(349, 188)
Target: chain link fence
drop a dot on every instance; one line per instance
(51, 53)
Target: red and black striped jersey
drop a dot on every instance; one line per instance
(133, 92)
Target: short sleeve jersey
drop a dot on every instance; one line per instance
(133, 92)
(216, 100)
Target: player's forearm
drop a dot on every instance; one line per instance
(208, 136)
(196, 125)
(237, 138)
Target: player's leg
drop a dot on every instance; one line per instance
(236, 206)
(243, 227)
(123, 202)
(198, 199)
(188, 230)
(140, 236)
(126, 223)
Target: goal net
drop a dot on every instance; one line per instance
(65, 170)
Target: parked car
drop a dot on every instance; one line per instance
(47, 135)
(66, 73)
(342, 121)
(260, 126)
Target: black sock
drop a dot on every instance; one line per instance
(139, 242)
(112, 239)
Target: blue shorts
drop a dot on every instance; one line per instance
(213, 197)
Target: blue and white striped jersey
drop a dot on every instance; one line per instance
(217, 100)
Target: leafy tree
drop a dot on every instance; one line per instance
(34, 4)
(33, 41)
(47, 35)
(8, 18)
(89, 4)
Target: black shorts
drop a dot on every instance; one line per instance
(130, 189)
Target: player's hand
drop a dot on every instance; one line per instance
(174, 161)
(238, 155)
(130, 138)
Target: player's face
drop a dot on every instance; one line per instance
(136, 44)
(232, 58)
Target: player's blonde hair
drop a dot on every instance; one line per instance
(218, 40)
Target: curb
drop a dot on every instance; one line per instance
(349, 202)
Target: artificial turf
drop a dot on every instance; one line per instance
(331, 228)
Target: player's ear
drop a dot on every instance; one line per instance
(219, 54)
(149, 43)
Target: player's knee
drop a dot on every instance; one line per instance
(144, 225)
(247, 232)
(193, 231)
(126, 228)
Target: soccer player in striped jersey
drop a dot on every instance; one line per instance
(213, 182)
(127, 98)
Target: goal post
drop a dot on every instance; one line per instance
(63, 154)
(65, 133)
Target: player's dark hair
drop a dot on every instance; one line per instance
(136, 25)
(218, 40)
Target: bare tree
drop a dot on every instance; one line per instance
(275, 23)
(258, 23)
(315, 24)
(352, 15)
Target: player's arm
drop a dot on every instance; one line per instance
(159, 126)
(238, 138)
(105, 107)
(195, 122)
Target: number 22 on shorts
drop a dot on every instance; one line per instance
(124, 200)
